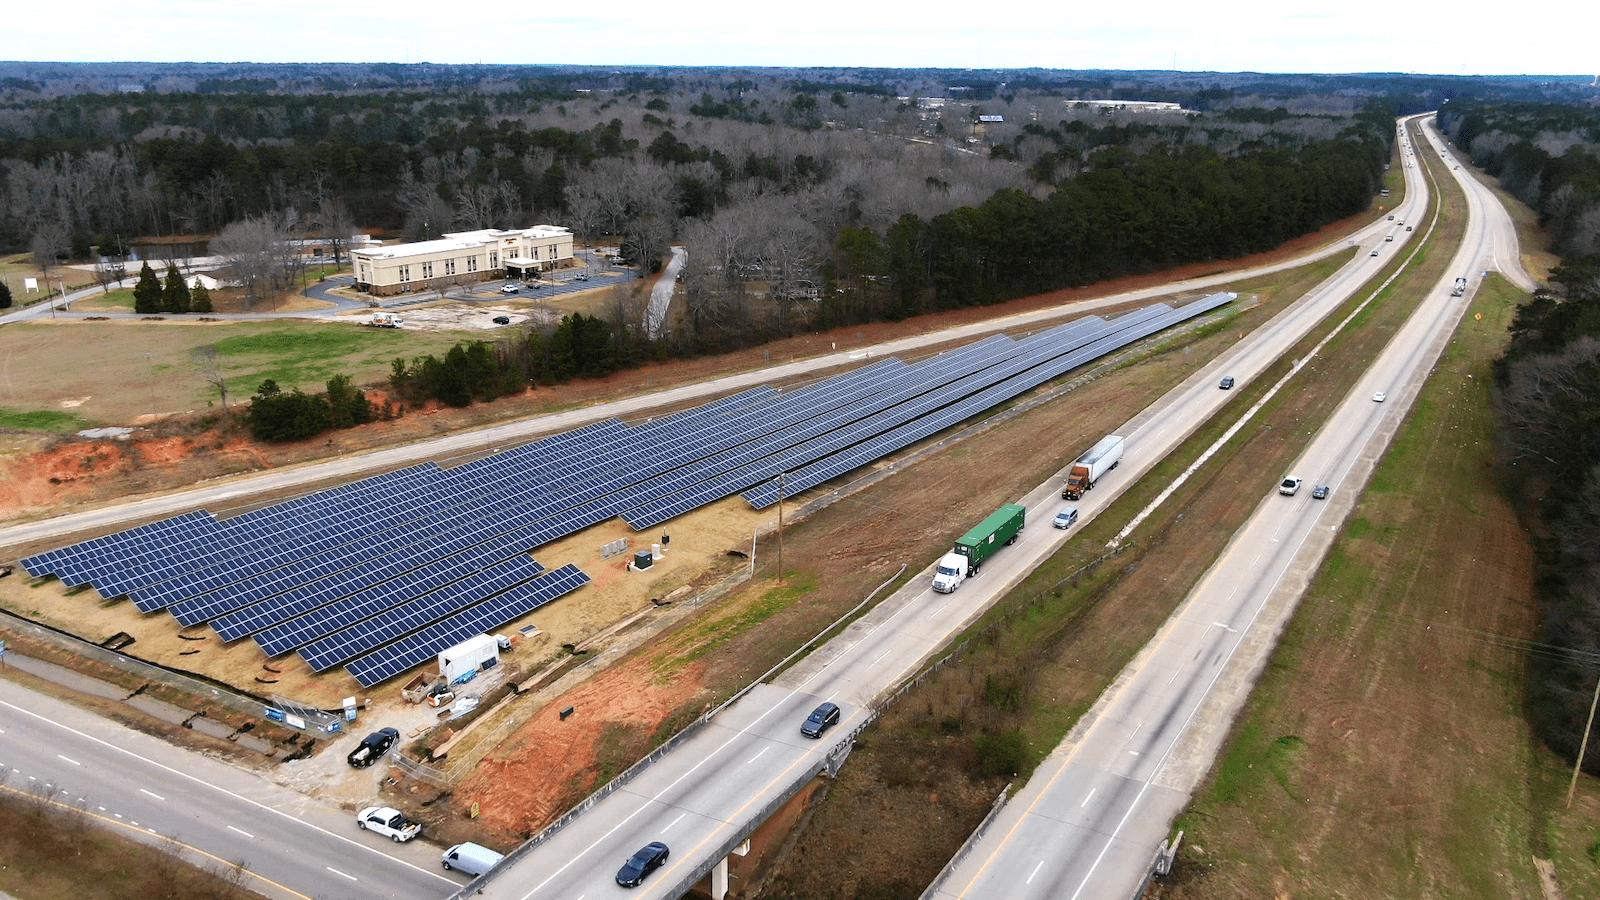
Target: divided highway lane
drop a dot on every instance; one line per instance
(1087, 823)
(697, 797)
(289, 478)
(297, 845)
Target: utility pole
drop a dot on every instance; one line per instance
(1583, 746)
(780, 528)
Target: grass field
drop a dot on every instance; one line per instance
(49, 852)
(39, 420)
(1384, 752)
(120, 370)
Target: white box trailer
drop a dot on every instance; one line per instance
(472, 654)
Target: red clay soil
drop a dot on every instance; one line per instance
(548, 765)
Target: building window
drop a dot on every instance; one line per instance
(472, 264)
(427, 270)
(449, 267)
(494, 259)
(405, 273)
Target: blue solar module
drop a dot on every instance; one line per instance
(381, 665)
(400, 621)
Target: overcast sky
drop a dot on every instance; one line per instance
(1533, 36)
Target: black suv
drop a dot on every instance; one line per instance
(821, 719)
(372, 747)
(641, 864)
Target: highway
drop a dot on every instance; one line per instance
(239, 489)
(145, 788)
(1087, 823)
(708, 791)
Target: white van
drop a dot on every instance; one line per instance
(473, 859)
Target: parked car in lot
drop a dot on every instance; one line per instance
(821, 719)
(372, 747)
(1320, 492)
(1379, 397)
(580, 277)
(1066, 517)
(509, 289)
(389, 822)
(641, 864)
(1289, 486)
(501, 320)
(1226, 383)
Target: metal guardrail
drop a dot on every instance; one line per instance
(969, 843)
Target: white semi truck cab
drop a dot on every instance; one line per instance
(951, 571)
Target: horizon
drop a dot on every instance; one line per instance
(1246, 37)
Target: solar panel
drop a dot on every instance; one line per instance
(402, 620)
(381, 665)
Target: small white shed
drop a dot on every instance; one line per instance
(474, 653)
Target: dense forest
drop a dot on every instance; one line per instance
(1549, 390)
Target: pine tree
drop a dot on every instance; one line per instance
(175, 296)
(5, 296)
(147, 293)
(200, 300)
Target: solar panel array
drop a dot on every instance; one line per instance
(382, 573)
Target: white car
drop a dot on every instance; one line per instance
(389, 822)
(509, 289)
(1379, 397)
(1290, 486)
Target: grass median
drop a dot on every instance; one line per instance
(1040, 657)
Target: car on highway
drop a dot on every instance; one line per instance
(473, 859)
(641, 864)
(1066, 517)
(1374, 252)
(821, 719)
(1320, 492)
(1227, 383)
(580, 277)
(1391, 218)
(389, 822)
(372, 747)
(509, 289)
(1290, 486)
(501, 320)
(1408, 227)
(1379, 397)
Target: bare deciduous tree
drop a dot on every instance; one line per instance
(208, 362)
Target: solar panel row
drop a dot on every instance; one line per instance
(381, 665)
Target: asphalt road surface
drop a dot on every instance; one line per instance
(1089, 820)
(151, 790)
(697, 797)
(235, 490)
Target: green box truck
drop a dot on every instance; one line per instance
(999, 529)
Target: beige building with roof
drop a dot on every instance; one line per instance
(461, 258)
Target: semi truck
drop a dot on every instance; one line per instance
(1460, 288)
(1101, 458)
(967, 557)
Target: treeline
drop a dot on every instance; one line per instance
(274, 415)
(1549, 395)
(474, 371)
(1131, 215)
(1548, 156)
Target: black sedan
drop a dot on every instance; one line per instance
(372, 747)
(641, 864)
(821, 719)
